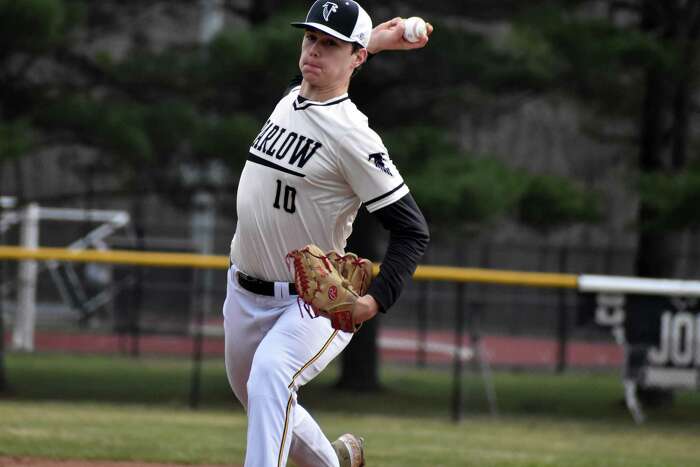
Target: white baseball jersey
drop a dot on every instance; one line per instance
(309, 170)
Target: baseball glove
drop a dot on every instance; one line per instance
(330, 283)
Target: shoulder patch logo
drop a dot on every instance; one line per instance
(328, 8)
(378, 159)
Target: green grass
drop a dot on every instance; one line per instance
(133, 432)
(68, 430)
(124, 409)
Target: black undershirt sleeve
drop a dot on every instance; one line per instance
(408, 239)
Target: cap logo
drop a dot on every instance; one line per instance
(328, 8)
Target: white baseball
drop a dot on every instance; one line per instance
(414, 29)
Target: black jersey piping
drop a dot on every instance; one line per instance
(388, 193)
(259, 160)
(308, 104)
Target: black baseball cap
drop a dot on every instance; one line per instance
(344, 19)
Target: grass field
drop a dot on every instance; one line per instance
(113, 408)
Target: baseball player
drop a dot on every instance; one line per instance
(311, 167)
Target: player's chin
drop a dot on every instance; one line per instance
(310, 72)
(313, 79)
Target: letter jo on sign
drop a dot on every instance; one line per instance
(679, 342)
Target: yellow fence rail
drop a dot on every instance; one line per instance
(166, 259)
(136, 258)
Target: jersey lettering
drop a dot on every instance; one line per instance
(256, 141)
(282, 152)
(301, 155)
(270, 152)
(271, 143)
(268, 137)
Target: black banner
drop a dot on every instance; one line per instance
(661, 336)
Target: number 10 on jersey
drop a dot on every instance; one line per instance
(290, 194)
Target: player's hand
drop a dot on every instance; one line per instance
(389, 36)
(366, 308)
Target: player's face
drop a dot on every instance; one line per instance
(327, 61)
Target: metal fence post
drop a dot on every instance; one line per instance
(3, 380)
(562, 319)
(202, 230)
(457, 388)
(422, 321)
(137, 294)
(25, 315)
(422, 324)
(198, 343)
(480, 361)
(5, 202)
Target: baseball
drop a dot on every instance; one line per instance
(414, 29)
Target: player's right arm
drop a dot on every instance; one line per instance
(386, 36)
(389, 36)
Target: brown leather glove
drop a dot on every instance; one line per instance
(331, 283)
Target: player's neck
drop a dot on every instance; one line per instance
(322, 94)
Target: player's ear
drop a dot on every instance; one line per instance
(359, 57)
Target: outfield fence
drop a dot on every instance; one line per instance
(459, 351)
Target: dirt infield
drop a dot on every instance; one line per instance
(32, 462)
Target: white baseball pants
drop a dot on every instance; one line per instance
(272, 350)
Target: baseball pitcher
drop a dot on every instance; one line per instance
(314, 163)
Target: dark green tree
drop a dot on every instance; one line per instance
(638, 64)
(151, 113)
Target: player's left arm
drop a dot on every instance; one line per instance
(408, 239)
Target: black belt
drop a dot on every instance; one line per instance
(259, 286)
